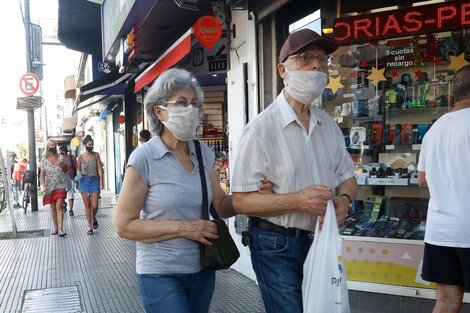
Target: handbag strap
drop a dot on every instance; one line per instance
(205, 201)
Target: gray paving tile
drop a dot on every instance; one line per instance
(103, 268)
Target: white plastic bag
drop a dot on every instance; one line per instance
(324, 288)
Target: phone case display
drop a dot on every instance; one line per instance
(385, 98)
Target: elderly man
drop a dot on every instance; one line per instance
(444, 168)
(301, 150)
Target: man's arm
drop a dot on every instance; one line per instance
(347, 191)
(422, 182)
(312, 200)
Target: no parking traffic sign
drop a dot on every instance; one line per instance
(29, 84)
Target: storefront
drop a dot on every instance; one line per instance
(388, 82)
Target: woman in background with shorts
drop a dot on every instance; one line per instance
(90, 181)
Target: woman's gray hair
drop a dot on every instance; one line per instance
(164, 87)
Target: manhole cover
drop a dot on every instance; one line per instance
(63, 300)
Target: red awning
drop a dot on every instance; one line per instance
(170, 57)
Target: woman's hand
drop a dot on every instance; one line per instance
(266, 186)
(199, 230)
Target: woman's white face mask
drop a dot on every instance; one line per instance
(182, 121)
(305, 86)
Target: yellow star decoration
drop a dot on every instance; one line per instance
(377, 75)
(457, 62)
(334, 84)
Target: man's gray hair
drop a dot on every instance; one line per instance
(163, 88)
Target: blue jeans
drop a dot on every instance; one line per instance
(15, 186)
(177, 293)
(278, 262)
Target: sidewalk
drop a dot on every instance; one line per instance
(94, 273)
(82, 273)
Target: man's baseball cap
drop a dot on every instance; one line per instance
(303, 38)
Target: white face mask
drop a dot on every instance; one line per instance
(182, 121)
(305, 86)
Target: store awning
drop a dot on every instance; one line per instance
(170, 57)
(97, 87)
(106, 86)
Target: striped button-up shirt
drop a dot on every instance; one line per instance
(276, 146)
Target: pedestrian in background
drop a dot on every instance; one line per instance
(18, 173)
(53, 185)
(144, 136)
(90, 181)
(301, 150)
(444, 168)
(15, 184)
(25, 166)
(160, 201)
(71, 161)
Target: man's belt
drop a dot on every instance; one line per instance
(288, 231)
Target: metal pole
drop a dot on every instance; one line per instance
(30, 113)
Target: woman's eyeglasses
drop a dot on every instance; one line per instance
(183, 103)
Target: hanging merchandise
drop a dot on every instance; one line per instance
(324, 286)
(417, 57)
(431, 47)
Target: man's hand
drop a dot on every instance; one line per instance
(314, 199)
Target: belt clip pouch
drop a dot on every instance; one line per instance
(223, 252)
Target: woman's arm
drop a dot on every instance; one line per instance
(100, 169)
(42, 177)
(130, 226)
(79, 164)
(221, 201)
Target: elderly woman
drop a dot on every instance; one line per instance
(53, 185)
(160, 202)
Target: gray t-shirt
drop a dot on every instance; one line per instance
(173, 194)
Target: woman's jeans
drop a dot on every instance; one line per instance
(278, 262)
(177, 293)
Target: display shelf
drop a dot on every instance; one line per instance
(418, 109)
(366, 119)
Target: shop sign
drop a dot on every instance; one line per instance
(74, 142)
(121, 119)
(433, 18)
(80, 134)
(399, 57)
(208, 30)
(204, 61)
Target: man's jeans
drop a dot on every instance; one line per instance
(177, 293)
(15, 186)
(278, 262)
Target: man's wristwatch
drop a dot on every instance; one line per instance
(350, 202)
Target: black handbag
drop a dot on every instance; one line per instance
(223, 252)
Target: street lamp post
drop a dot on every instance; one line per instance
(30, 112)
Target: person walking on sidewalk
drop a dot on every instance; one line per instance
(302, 151)
(160, 201)
(144, 136)
(71, 161)
(90, 181)
(18, 173)
(15, 185)
(443, 167)
(53, 185)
